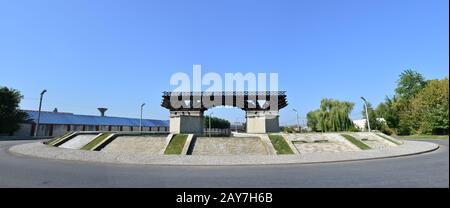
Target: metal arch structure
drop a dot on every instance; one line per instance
(261, 107)
(194, 101)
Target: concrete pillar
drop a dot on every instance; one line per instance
(186, 122)
(261, 122)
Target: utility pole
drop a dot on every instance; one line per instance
(39, 113)
(367, 114)
(140, 123)
(209, 130)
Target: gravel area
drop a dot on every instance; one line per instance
(148, 145)
(335, 142)
(372, 140)
(229, 146)
(305, 148)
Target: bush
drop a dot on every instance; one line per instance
(288, 130)
(388, 131)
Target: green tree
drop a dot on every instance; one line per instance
(333, 115)
(312, 120)
(419, 106)
(430, 108)
(410, 83)
(216, 123)
(10, 114)
(389, 111)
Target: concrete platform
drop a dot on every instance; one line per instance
(306, 148)
(229, 146)
(38, 149)
(334, 142)
(372, 140)
(148, 145)
(78, 141)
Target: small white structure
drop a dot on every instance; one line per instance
(361, 123)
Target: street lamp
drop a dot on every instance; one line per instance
(298, 122)
(209, 130)
(140, 123)
(39, 113)
(367, 113)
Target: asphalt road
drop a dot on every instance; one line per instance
(425, 170)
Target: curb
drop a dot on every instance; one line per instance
(187, 144)
(42, 151)
(168, 139)
(291, 145)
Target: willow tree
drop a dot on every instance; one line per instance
(333, 115)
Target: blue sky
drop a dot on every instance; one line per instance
(118, 53)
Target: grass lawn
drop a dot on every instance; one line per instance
(423, 137)
(280, 145)
(387, 138)
(176, 145)
(52, 141)
(356, 142)
(57, 139)
(96, 141)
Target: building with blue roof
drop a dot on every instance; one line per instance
(58, 123)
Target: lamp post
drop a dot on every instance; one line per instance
(298, 122)
(209, 129)
(140, 123)
(39, 113)
(367, 113)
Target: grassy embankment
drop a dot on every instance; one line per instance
(176, 145)
(389, 139)
(356, 142)
(96, 141)
(280, 145)
(56, 140)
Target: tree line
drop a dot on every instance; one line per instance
(419, 106)
(216, 123)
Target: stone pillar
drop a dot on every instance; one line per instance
(186, 122)
(261, 122)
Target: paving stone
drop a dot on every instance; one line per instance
(150, 145)
(305, 148)
(229, 146)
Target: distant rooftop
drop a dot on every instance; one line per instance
(73, 119)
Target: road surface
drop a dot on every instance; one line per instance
(425, 170)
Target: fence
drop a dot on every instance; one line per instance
(216, 132)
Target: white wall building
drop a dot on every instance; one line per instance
(361, 123)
